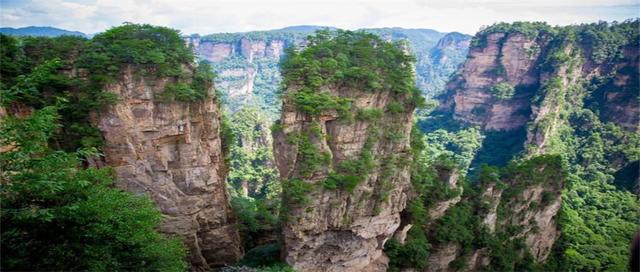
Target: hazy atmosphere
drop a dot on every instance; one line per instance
(204, 17)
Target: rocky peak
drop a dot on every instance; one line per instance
(171, 151)
(345, 164)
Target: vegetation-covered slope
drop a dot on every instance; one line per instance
(59, 212)
(572, 92)
(39, 31)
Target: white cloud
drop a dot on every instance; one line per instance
(193, 16)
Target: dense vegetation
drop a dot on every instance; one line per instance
(47, 190)
(58, 212)
(462, 224)
(341, 61)
(599, 211)
(71, 72)
(502, 91)
(347, 59)
(58, 216)
(254, 185)
(435, 62)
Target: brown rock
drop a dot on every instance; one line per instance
(171, 152)
(338, 230)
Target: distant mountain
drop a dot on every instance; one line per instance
(43, 31)
(247, 62)
(302, 28)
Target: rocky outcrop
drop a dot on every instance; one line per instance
(338, 230)
(246, 65)
(506, 58)
(522, 208)
(449, 178)
(441, 257)
(171, 151)
(447, 56)
(556, 84)
(526, 63)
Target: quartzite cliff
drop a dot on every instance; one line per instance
(171, 151)
(346, 169)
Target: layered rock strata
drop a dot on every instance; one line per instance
(171, 151)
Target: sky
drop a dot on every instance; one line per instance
(205, 17)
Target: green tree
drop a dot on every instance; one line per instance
(57, 215)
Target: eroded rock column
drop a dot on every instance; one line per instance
(171, 151)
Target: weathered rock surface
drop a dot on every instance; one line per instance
(442, 256)
(516, 59)
(537, 218)
(171, 151)
(554, 77)
(450, 178)
(508, 58)
(339, 230)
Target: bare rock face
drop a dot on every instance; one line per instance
(441, 257)
(338, 230)
(517, 60)
(214, 51)
(492, 196)
(171, 151)
(506, 58)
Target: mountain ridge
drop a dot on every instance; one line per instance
(45, 31)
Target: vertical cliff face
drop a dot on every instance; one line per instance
(508, 58)
(509, 222)
(560, 93)
(171, 151)
(345, 161)
(525, 206)
(338, 230)
(525, 65)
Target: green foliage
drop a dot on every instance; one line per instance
(159, 50)
(597, 219)
(260, 256)
(58, 216)
(454, 225)
(369, 114)
(529, 29)
(607, 39)
(197, 90)
(10, 57)
(395, 108)
(280, 267)
(47, 71)
(296, 191)
(316, 103)
(310, 158)
(351, 59)
(351, 172)
(502, 91)
(460, 147)
(499, 147)
(413, 254)
(253, 185)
